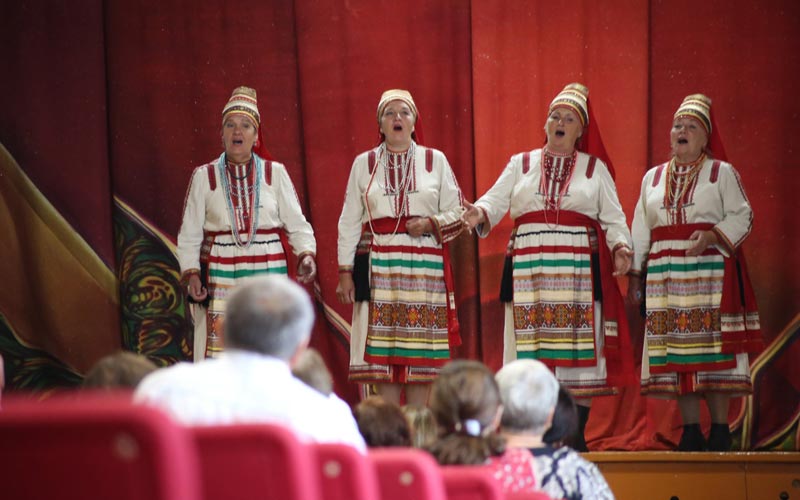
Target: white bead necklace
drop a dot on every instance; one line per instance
(253, 194)
(400, 189)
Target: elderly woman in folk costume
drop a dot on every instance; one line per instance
(235, 211)
(570, 239)
(701, 317)
(401, 207)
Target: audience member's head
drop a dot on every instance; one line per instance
(565, 421)
(271, 315)
(466, 403)
(311, 369)
(382, 423)
(423, 425)
(529, 391)
(121, 370)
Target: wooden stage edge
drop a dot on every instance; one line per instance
(669, 475)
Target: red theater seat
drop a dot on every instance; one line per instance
(262, 461)
(536, 495)
(408, 474)
(345, 473)
(94, 448)
(470, 483)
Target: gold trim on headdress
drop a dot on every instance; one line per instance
(575, 97)
(697, 106)
(396, 95)
(243, 101)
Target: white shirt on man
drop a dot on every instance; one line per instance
(247, 387)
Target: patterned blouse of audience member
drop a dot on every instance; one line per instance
(529, 393)
(382, 423)
(466, 403)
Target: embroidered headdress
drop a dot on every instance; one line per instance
(697, 106)
(574, 97)
(405, 96)
(396, 95)
(243, 101)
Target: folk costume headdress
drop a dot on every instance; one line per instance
(575, 97)
(698, 106)
(405, 96)
(243, 101)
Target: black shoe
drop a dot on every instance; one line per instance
(692, 438)
(719, 438)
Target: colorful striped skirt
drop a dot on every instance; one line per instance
(228, 265)
(401, 335)
(553, 294)
(696, 337)
(566, 308)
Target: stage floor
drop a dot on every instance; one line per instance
(700, 476)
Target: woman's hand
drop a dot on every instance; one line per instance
(472, 216)
(702, 240)
(196, 290)
(306, 269)
(635, 289)
(622, 261)
(418, 226)
(346, 289)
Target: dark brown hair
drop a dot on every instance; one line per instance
(465, 401)
(565, 421)
(382, 423)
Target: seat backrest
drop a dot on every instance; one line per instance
(345, 473)
(464, 482)
(94, 447)
(532, 495)
(408, 473)
(265, 461)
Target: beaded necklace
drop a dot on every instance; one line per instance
(679, 187)
(555, 180)
(400, 189)
(247, 198)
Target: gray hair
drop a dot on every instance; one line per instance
(270, 315)
(529, 392)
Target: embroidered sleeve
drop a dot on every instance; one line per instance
(352, 215)
(496, 202)
(298, 230)
(639, 229)
(610, 214)
(737, 221)
(447, 223)
(190, 235)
